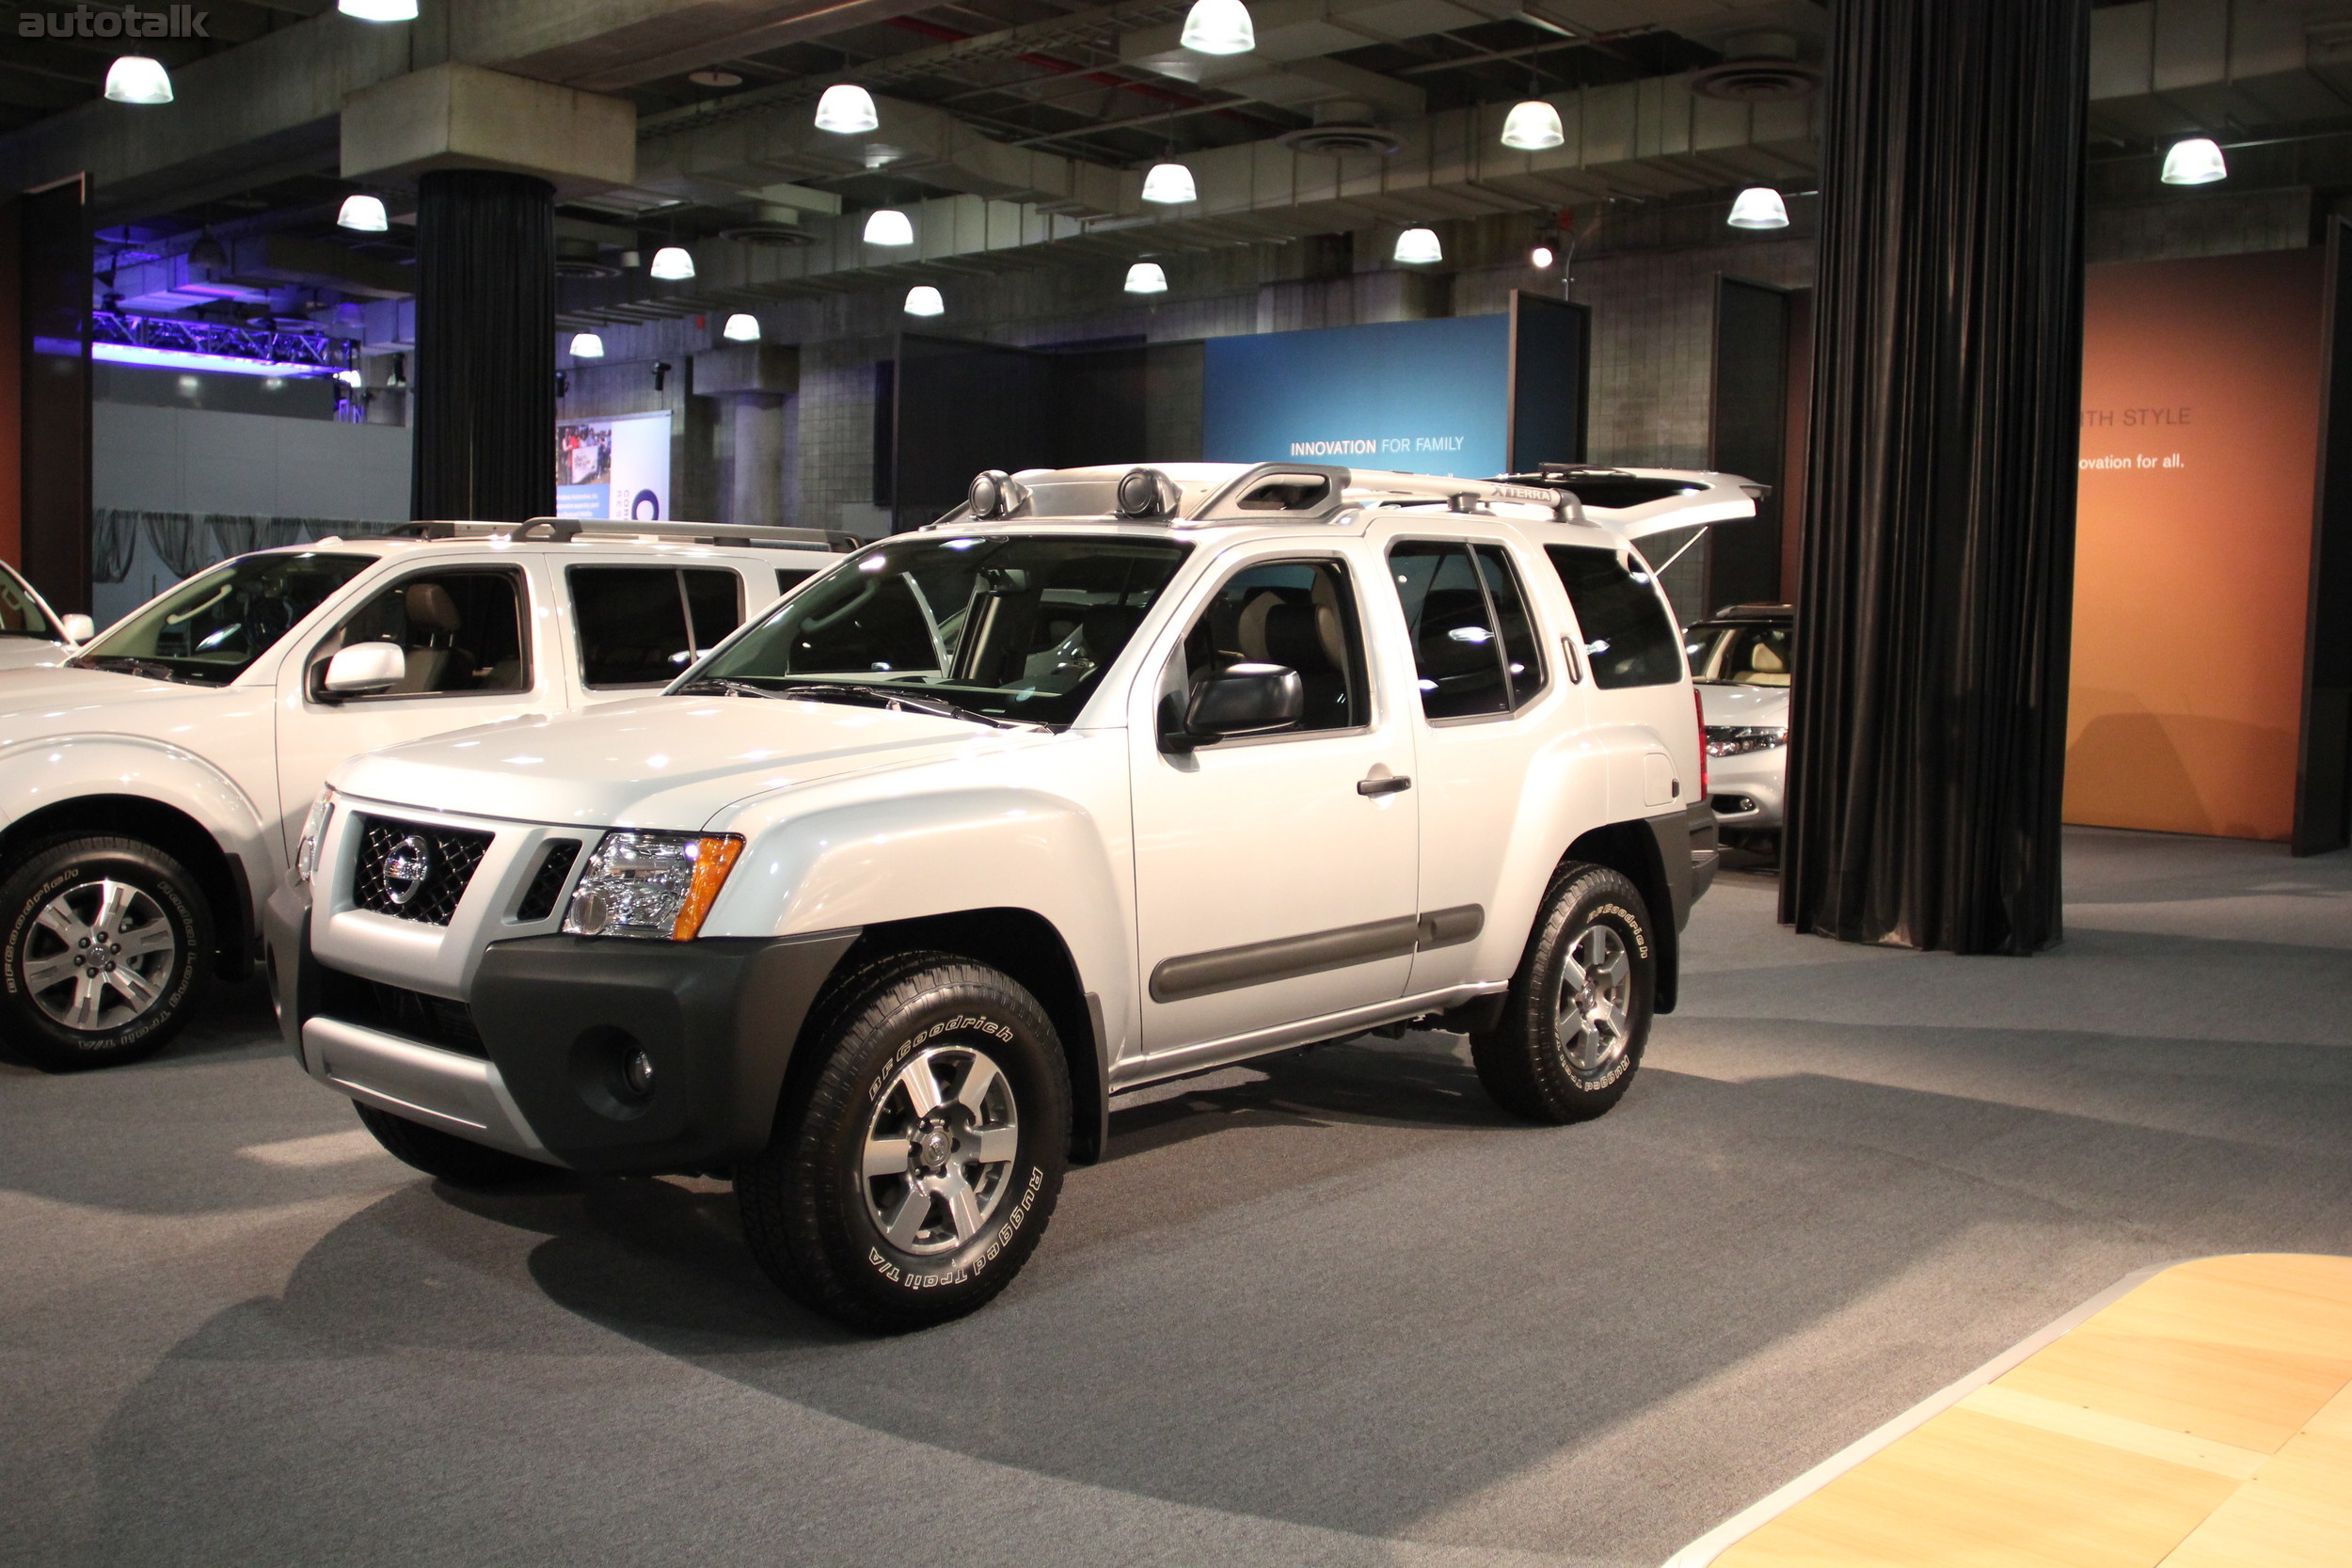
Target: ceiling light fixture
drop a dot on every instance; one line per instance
(847, 109)
(1540, 257)
(1218, 27)
(1147, 278)
(740, 328)
(1418, 245)
(378, 10)
(1759, 207)
(1532, 126)
(207, 253)
(671, 264)
(888, 225)
(1169, 184)
(137, 79)
(364, 214)
(587, 345)
(2195, 162)
(923, 300)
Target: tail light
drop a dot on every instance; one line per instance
(1699, 704)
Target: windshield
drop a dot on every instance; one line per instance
(1740, 652)
(1016, 627)
(21, 615)
(211, 627)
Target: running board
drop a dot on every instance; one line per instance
(1263, 1042)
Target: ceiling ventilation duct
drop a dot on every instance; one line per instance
(1342, 128)
(770, 223)
(1757, 68)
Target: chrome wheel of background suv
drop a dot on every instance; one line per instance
(99, 956)
(939, 1149)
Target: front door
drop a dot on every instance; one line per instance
(1274, 874)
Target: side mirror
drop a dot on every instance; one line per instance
(79, 627)
(365, 667)
(1242, 698)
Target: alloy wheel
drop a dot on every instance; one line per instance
(99, 956)
(1593, 1021)
(939, 1149)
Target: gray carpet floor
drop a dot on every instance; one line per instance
(1332, 1308)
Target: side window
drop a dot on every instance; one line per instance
(1297, 613)
(461, 633)
(1474, 648)
(1630, 639)
(20, 613)
(633, 623)
(790, 577)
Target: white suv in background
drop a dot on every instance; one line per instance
(151, 789)
(1741, 658)
(1110, 776)
(31, 633)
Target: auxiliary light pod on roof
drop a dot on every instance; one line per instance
(1148, 495)
(997, 493)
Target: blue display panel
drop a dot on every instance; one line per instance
(1425, 397)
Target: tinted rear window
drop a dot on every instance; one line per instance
(1629, 640)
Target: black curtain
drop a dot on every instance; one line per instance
(1748, 431)
(54, 233)
(1937, 579)
(2322, 774)
(485, 381)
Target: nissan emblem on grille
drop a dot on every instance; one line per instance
(407, 866)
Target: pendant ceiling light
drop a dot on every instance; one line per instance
(1532, 126)
(847, 109)
(364, 214)
(1759, 207)
(587, 345)
(923, 300)
(137, 79)
(1169, 184)
(1418, 245)
(888, 225)
(670, 263)
(740, 328)
(1218, 27)
(2195, 162)
(379, 11)
(1540, 257)
(207, 253)
(1146, 278)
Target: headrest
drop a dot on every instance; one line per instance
(1106, 628)
(431, 609)
(1765, 660)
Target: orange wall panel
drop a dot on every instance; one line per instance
(2199, 442)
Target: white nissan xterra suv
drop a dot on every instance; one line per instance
(152, 788)
(1110, 776)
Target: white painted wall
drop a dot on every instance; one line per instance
(149, 458)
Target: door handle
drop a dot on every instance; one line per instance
(1394, 784)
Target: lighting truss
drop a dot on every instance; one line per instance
(169, 343)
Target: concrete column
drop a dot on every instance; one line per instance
(756, 491)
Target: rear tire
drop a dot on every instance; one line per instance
(1571, 1036)
(912, 1171)
(454, 1160)
(108, 946)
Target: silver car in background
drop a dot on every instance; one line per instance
(1740, 663)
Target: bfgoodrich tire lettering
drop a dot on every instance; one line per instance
(915, 1168)
(107, 944)
(1571, 1036)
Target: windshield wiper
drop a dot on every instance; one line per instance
(147, 667)
(732, 688)
(905, 702)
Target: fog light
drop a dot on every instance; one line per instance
(636, 1073)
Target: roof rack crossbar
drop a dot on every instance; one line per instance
(565, 530)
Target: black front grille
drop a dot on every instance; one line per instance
(448, 858)
(546, 883)
(435, 1019)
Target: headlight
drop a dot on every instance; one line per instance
(313, 829)
(656, 885)
(1731, 741)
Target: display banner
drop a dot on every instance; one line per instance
(616, 467)
(1428, 397)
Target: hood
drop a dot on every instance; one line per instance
(43, 702)
(18, 653)
(1745, 705)
(656, 762)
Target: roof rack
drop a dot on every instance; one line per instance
(564, 529)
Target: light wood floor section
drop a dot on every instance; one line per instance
(2202, 1421)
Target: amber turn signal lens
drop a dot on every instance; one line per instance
(714, 857)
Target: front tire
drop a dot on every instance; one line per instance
(1571, 1036)
(912, 1172)
(108, 944)
(456, 1161)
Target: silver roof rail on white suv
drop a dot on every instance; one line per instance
(563, 530)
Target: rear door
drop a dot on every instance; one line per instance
(637, 622)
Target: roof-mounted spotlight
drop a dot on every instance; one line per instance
(1147, 494)
(997, 493)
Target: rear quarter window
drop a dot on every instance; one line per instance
(1630, 639)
